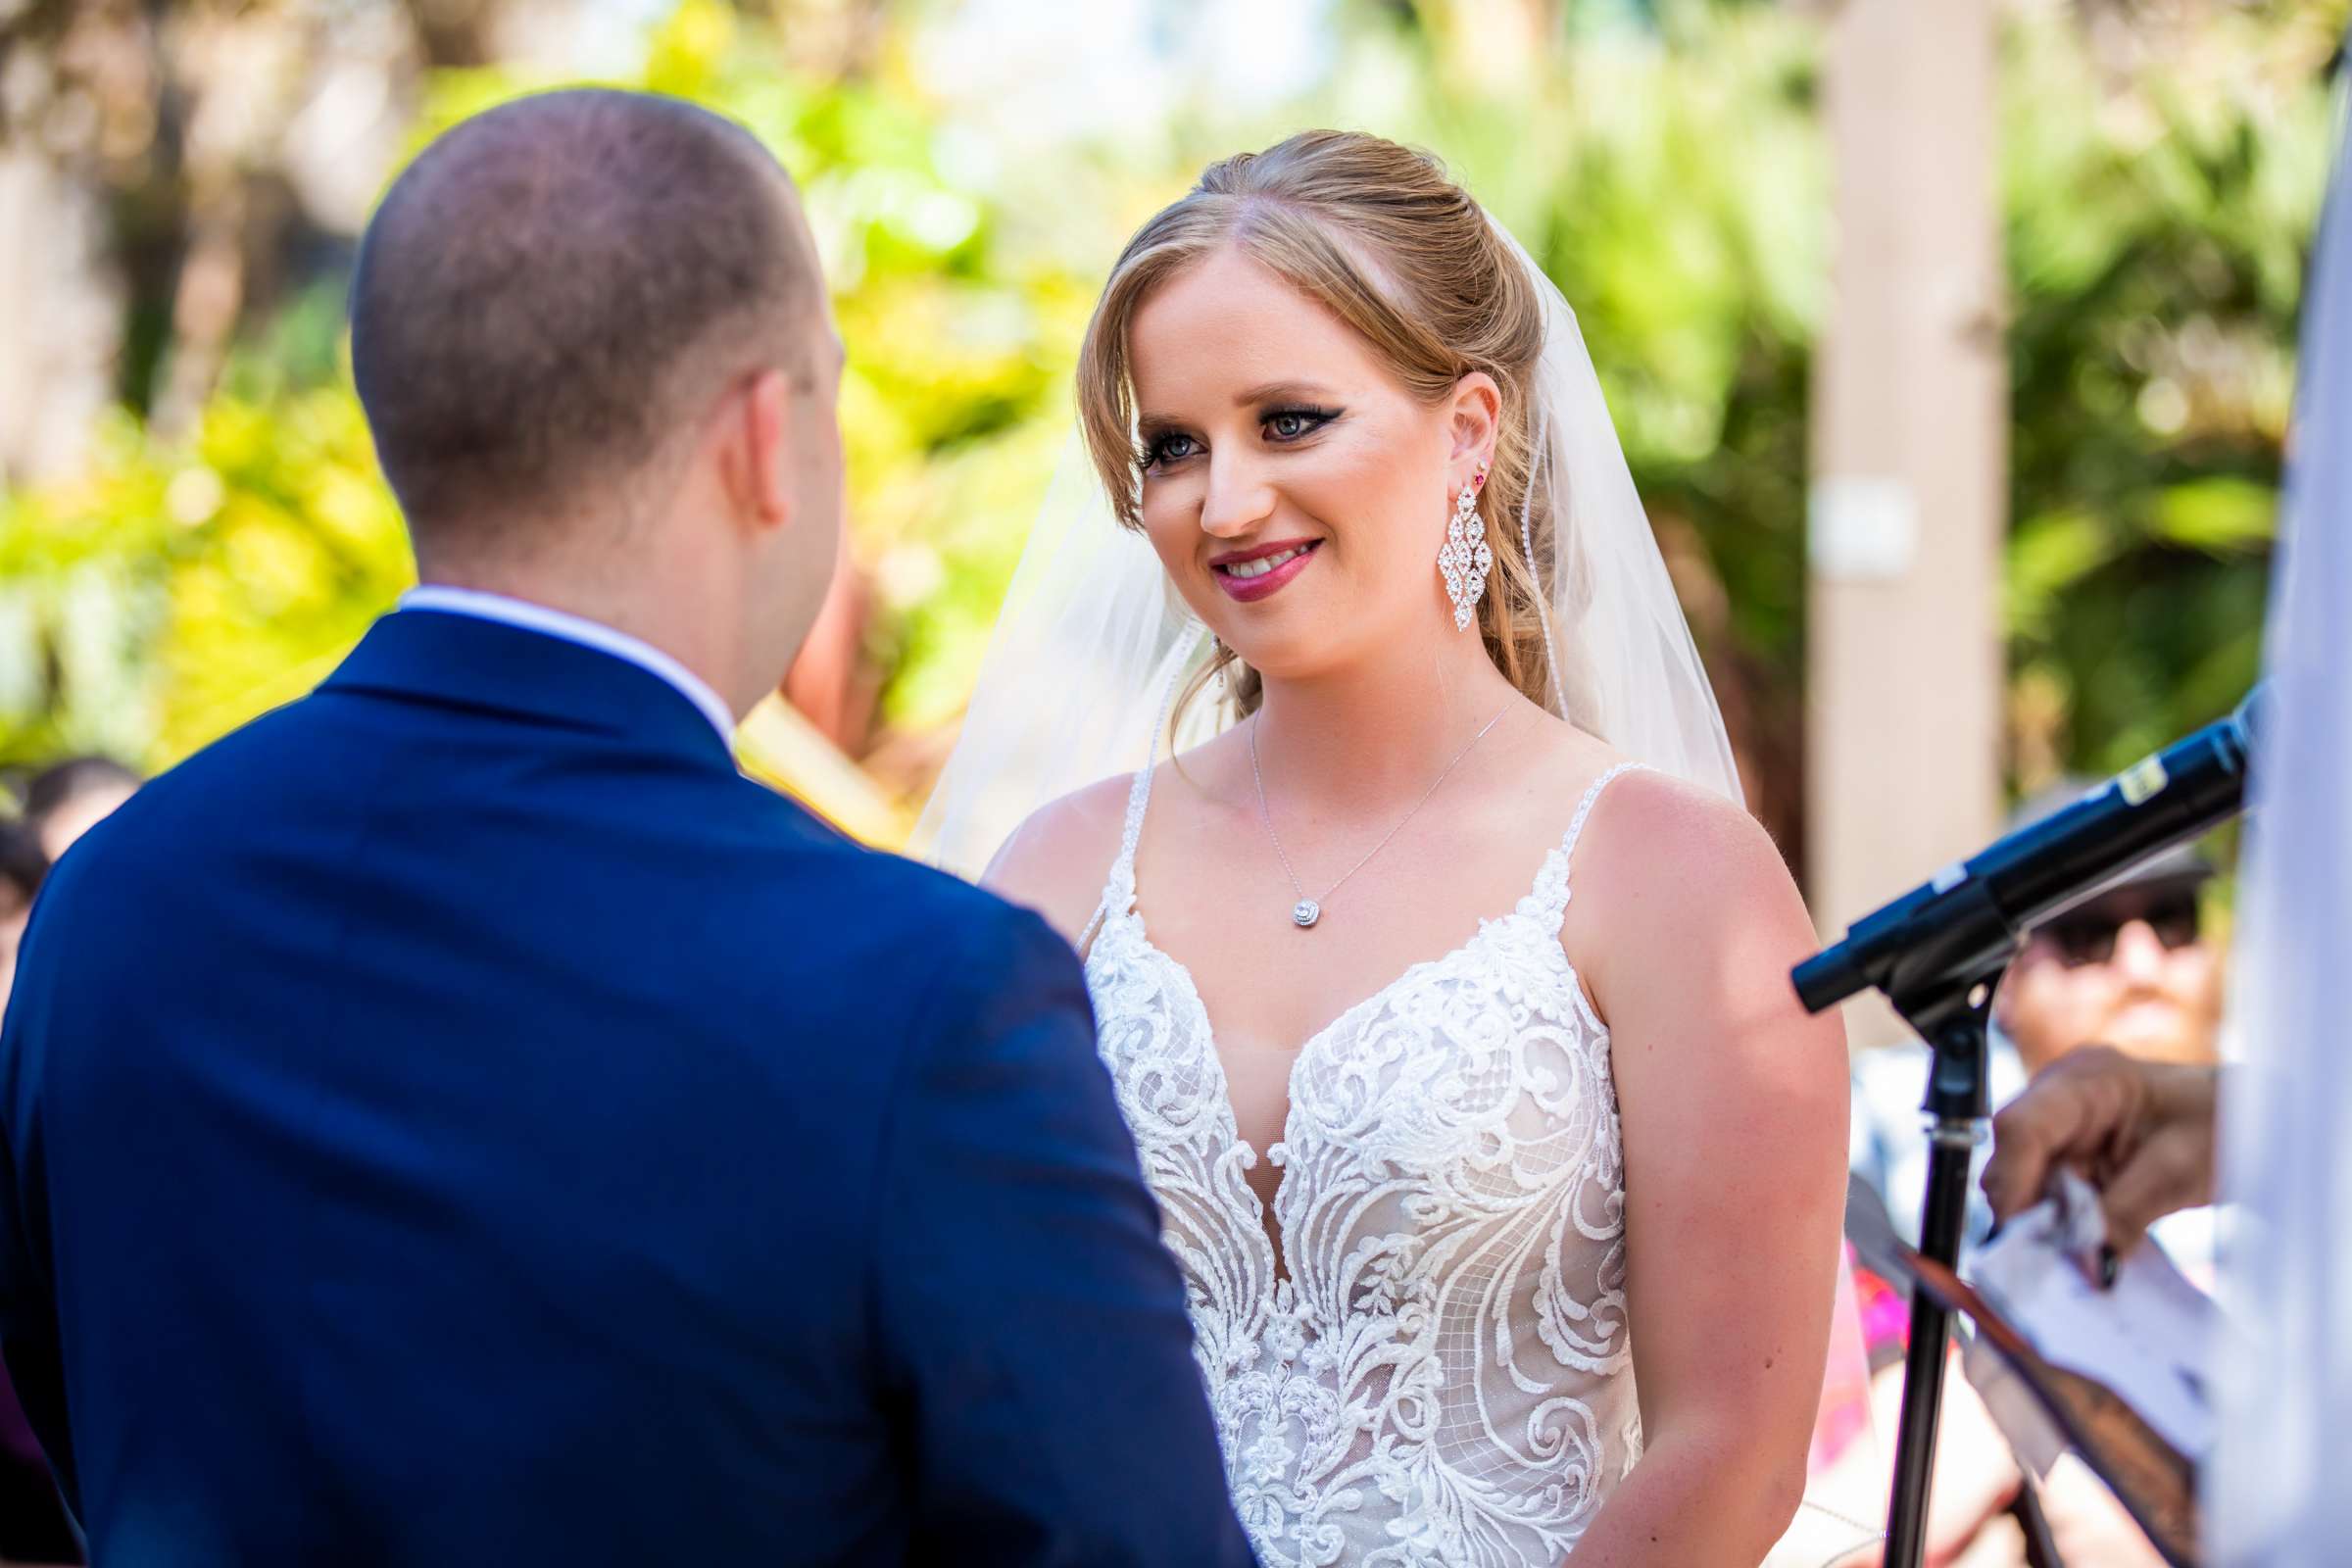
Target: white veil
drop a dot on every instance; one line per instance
(2272, 1494)
(1093, 641)
(1093, 637)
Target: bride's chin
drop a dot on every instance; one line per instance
(1283, 640)
(1279, 658)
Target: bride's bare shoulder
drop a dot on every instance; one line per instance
(1057, 861)
(1658, 839)
(1670, 869)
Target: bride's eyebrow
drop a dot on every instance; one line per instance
(1148, 424)
(1280, 392)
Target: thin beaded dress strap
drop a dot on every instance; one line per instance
(1121, 892)
(1551, 898)
(1119, 889)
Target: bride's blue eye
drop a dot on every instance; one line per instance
(1173, 447)
(1291, 425)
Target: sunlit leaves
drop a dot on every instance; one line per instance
(1665, 163)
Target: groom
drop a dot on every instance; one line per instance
(457, 1119)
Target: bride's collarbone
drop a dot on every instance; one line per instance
(1214, 898)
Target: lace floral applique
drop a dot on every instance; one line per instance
(1442, 1375)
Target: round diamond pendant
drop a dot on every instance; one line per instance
(1305, 912)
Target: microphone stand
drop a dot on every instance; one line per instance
(1959, 1110)
(1943, 990)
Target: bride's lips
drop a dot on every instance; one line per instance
(1254, 579)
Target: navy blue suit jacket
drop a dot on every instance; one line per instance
(457, 1119)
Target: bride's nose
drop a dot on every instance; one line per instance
(1237, 498)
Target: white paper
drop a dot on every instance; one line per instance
(2150, 1338)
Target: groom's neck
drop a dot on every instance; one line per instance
(660, 604)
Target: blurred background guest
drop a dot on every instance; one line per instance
(2136, 967)
(21, 865)
(32, 1520)
(66, 800)
(62, 802)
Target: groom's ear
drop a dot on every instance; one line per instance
(756, 449)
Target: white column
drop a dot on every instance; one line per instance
(1909, 450)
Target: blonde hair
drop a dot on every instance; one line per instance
(1378, 235)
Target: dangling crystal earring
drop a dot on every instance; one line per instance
(1466, 558)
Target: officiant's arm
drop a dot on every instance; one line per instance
(1733, 1102)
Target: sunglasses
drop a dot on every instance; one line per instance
(2088, 936)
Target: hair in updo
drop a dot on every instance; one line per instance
(1380, 237)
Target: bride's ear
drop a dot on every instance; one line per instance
(1477, 419)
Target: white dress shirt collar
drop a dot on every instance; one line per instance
(579, 629)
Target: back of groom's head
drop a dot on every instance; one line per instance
(553, 291)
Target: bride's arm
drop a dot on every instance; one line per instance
(1733, 1106)
(1057, 861)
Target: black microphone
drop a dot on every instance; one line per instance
(1952, 928)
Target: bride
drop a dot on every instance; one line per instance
(1442, 976)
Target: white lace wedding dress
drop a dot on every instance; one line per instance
(1436, 1370)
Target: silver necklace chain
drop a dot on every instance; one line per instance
(1306, 912)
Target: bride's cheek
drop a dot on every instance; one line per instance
(1170, 539)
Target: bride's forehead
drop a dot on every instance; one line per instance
(1230, 318)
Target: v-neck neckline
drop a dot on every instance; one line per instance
(1547, 900)
(1268, 1210)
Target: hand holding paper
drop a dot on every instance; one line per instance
(2140, 1132)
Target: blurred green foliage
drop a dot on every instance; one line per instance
(1664, 162)
(177, 590)
(2157, 238)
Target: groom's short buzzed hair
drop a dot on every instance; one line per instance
(554, 287)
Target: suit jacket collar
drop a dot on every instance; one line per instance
(534, 617)
(457, 661)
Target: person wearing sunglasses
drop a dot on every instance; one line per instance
(2132, 968)
(2128, 968)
